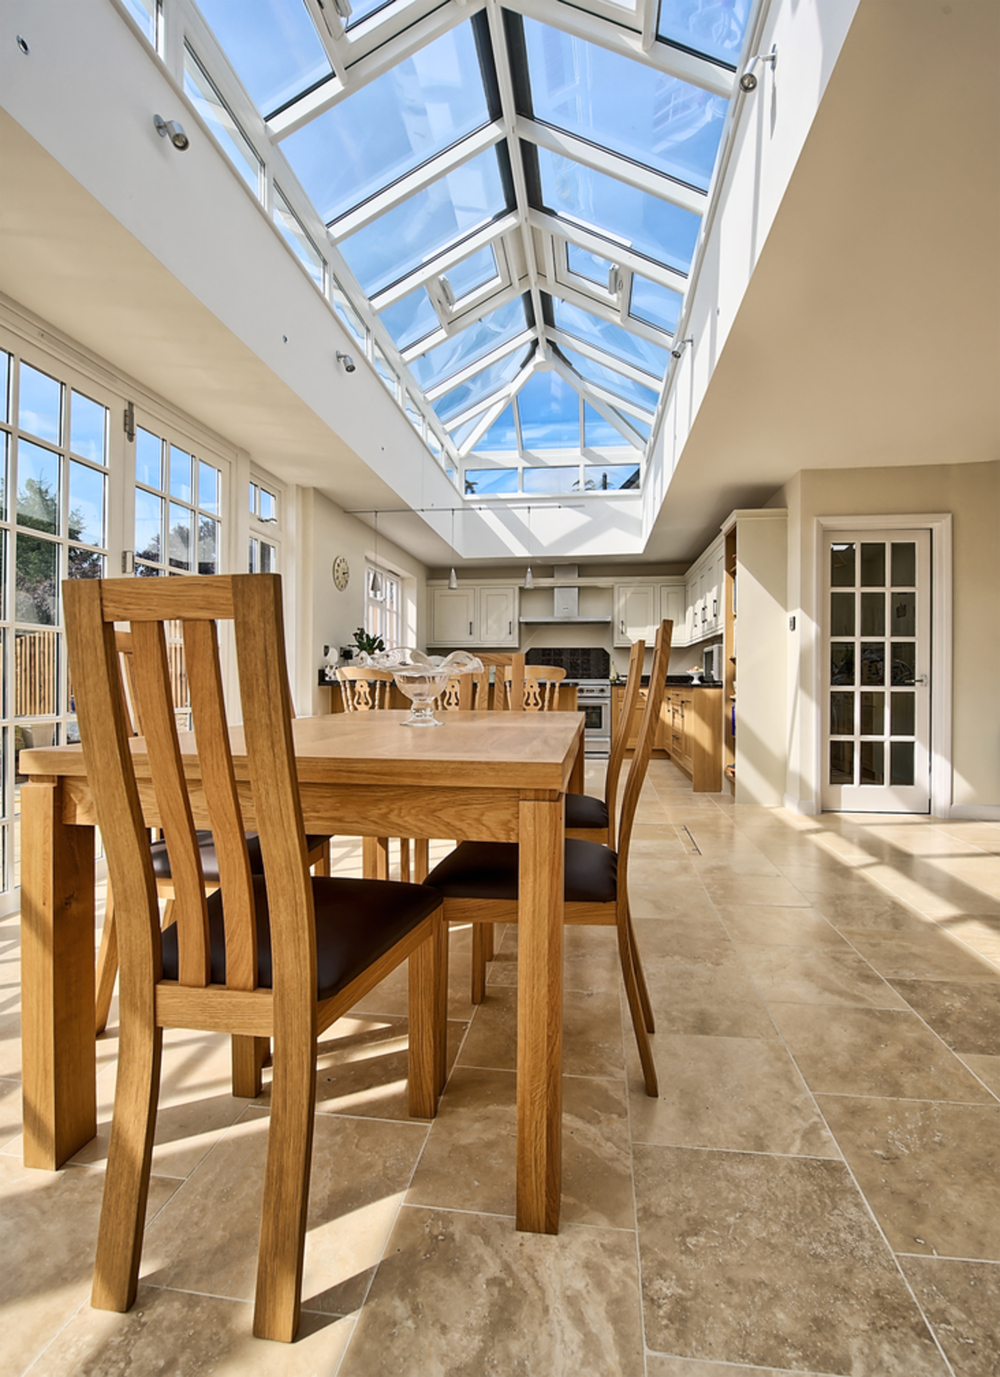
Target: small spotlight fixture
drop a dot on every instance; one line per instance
(678, 349)
(347, 361)
(748, 81)
(170, 129)
(22, 43)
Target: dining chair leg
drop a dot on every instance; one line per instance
(421, 859)
(286, 1184)
(126, 1183)
(249, 1054)
(404, 859)
(626, 956)
(640, 979)
(107, 964)
(322, 866)
(479, 959)
(428, 993)
(375, 858)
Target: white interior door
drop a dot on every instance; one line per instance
(876, 708)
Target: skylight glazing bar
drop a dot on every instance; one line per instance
(607, 312)
(601, 356)
(478, 365)
(436, 265)
(455, 328)
(597, 244)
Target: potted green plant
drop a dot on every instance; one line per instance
(366, 643)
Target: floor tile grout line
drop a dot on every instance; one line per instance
(48, 1344)
(953, 1257)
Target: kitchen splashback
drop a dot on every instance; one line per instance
(586, 663)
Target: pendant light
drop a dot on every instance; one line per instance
(376, 584)
(452, 577)
(529, 581)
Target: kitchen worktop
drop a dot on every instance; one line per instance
(673, 681)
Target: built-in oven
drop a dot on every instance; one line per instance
(588, 667)
(594, 701)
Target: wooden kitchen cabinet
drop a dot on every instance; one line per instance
(691, 722)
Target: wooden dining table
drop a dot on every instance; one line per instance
(493, 777)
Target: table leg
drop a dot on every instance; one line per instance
(539, 1013)
(57, 980)
(576, 779)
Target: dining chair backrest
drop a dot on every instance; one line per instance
(469, 692)
(643, 747)
(253, 603)
(620, 732)
(513, 698)
(364, 689)
(541, 687)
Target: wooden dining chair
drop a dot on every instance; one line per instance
(593, 819)
(540, 692)
(479, 880)
(246, 1081)
(469, 692)
(366, 689)
(280, 955)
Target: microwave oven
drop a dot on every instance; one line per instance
(713, 661)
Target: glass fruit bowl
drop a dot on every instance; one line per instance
(423, 678)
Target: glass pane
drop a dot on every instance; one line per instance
(622, 344)
(872, 614)
(841, 762)
(411, 319)
(873, 565)
(87, 428)
(610, 477)
(841, 714)
(179, 542)
(37, 487)
(180, 474)
(4, 454)
(643, 428)
(665, 124)
(361, 9)
(208, 545)
(295, 236)
(385, 370)
(904, 614)
(842, 614)
(148, 458)
(86, 564)
(654, 304)
(36, 673)
(427, 222)
(904, 662)
(904, 564)
(40, 404)
(599, 433)
(478, 339)
(479, 387)
(588, 265)
(36, 580)
(490, 480)
(86, 504)
(559, 478)
(901, 763)
(268, 558)
(208, 486)
(419, 107)
(461, 433)
(344, 308)
(872, 762)
(660, 231)
(5, 371)
(148, 526)
(473, 272)
(873, 662)
(273, 46)
(873, 714)
(712, 27)
(3, 602)
(253, 497)
(144, 14)
(253, 556)
(502, 434)
(611, 380)
(549, 410)
(842, 566)
(221, 121)
(413, 414)
(904, 714)
(268, 506)
(841, 662)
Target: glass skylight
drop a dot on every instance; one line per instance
(657, 229)
(610, 477)
(304, 248)
(502, 434)
(654, 304)
(202, 93)
(553, 478)
(411, 319)
(612, 381)
(470, 344)
(480, 386)
(361, 9)
(622, 344)
(665, 124)
(550, 413)
(712, 27)
(485, 481)
(394, 124)
(597, 432)
(272, 44)
(422, 226)
(473, 272)
(642, 428)
(588, 265)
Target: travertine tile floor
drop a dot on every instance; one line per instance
(815, 1191)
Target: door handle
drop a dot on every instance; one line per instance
(922, 679)
(470, 628)
(510, 628)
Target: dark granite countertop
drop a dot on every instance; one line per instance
(673, 681)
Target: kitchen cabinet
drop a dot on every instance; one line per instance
(705, 586)
(692, 728)
(673, 607)
(660, 740)
(473, 615)
(635, 616)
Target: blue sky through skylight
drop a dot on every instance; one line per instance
(550, 413)
(480, 386)
(712, 27)
(410, 319)
(502, 434)
(597, 432)
(611, 380)
(654, 304)
(473, 343)
(622, 344)
(473, 272)
(588, 265)
(272, 44)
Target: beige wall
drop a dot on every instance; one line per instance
(971, 493)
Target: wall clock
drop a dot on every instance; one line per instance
(341, 573)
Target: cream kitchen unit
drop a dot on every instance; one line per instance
(474, 614)
(705, 587)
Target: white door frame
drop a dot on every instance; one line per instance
(939, 524)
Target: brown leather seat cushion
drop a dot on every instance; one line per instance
(209, 861)
(356, 922)
(488, 870)
(583, 810)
